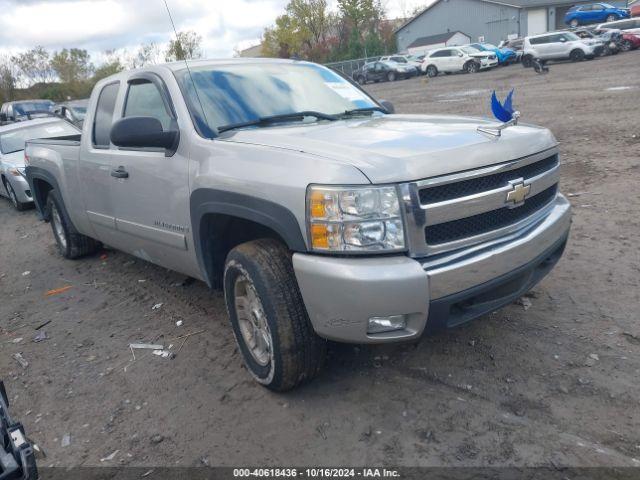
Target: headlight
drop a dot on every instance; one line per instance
(354, 219)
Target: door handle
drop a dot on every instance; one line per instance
(120, 172)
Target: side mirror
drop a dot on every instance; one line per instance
(388, 106)
(143, 132)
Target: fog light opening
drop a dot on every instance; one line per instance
(389, 323)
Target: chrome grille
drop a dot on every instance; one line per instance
(467, 208)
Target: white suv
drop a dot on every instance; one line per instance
(457, 59)
(559, 46)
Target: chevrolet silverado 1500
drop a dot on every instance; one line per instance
(322, 214)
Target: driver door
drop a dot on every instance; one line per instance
(150, 188)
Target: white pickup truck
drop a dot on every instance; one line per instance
(321, 213)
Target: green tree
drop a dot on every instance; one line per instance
(186, 45)
(7, 78)
(72, 65)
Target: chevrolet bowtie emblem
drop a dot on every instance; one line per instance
(519, 192)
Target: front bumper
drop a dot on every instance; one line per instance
(341, 294)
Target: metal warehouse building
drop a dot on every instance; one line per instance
(486, 20)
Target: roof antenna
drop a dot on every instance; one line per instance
(195, 88)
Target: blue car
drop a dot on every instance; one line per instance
(594, 13)
(505, 56)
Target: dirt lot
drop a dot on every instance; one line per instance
(555, 384)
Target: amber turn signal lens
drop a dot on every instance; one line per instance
(317, 201)
(319, 236)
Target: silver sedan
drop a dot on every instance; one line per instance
(13, 183)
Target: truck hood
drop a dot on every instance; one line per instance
(399, 148)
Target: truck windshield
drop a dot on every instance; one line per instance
(244, 93)
(14, 140)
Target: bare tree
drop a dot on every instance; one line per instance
(147, 54)
(34, 66)
(8, 77)
(186, 45)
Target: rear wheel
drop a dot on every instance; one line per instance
(273, 331)
(361, 80)
(472, 67)
(576, 55)
(432, 71)
(17, 204)
(71, 243)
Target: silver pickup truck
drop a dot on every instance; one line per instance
(322, 214)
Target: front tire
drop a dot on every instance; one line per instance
(361, 80)
(270, 323)
(71, 244)
(626, 45)
(472, 67)
(432, 71)
(577, 55)
(17, 204)
(391, 76)
(612, 18)
(574, 23)
(527, 61)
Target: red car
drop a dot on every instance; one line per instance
(630, 41)
(635, 9)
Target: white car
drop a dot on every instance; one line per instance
(628, 25)
(559, 46)
(13, 183)
(457, 59)
(403, 59)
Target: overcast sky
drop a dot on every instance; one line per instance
(98, 25)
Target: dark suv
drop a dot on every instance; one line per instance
(381, 71)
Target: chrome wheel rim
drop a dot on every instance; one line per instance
(252, 321)
(57, 227)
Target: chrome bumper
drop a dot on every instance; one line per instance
(341, 294)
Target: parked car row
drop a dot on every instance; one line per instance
(384, 70)
(22, 110)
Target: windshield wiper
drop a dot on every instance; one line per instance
(277, 118)
(363, 111)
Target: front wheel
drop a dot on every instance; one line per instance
(270, 323)
(611, 18)
(527, 61)
(574, 23)
(361, 80)
(472, 67)
(391, 76)
(432, 71)
(626, 45)
(71, 243)
(17, 204)
(577, 55)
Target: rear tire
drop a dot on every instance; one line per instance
(576, 55)
(432, 71)
(361, 80)
(71, 244)
(269, 320)
(17, 204)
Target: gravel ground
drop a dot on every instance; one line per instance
(556, 383)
